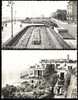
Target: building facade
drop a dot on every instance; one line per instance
(72, 12)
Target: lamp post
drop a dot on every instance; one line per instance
(10, 3)
(15, 16)
(12, 19)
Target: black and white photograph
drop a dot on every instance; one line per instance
(39, 49)
(39, 74)
(39, 24)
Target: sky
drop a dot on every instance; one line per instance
(16, 61)
(24, 9)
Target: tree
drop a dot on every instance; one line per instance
(67, 82)
(51, 77)
(50, 69)
(8, 91)
(27, 19)
(60, 14)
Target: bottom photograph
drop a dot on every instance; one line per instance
(39, 74)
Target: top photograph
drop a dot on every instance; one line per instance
(39, 25)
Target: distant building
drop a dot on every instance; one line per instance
(72, 11)
(37, 70)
